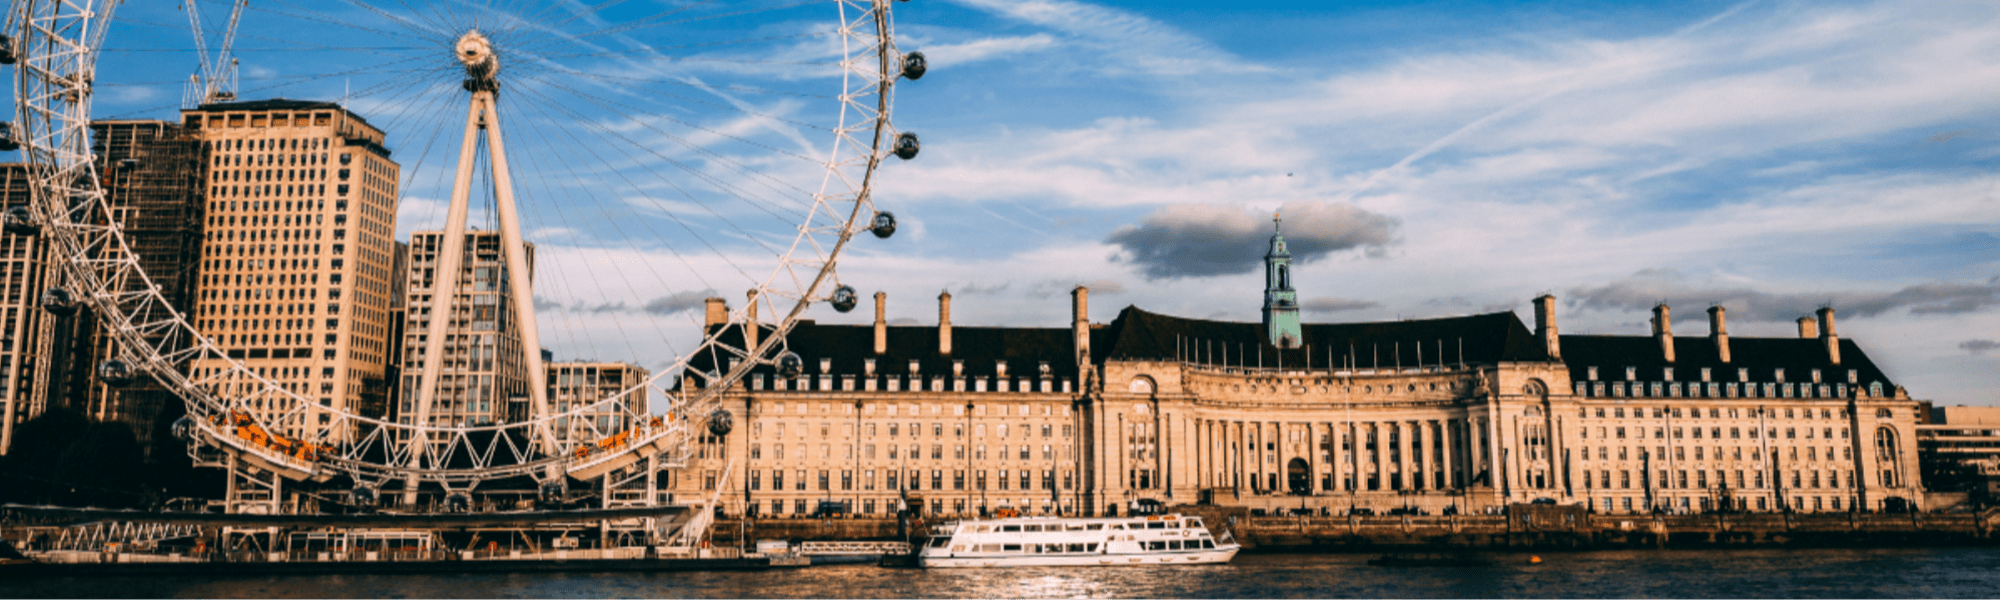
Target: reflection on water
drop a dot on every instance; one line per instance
(1958, 572)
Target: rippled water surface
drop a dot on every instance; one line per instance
(1940, 573)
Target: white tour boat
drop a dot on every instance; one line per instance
(1065, 541)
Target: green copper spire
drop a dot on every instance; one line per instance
(1281, 302)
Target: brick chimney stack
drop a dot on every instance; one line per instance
(881, 322)
(1545, 325)
(1828, 336)
(944, 323)
(717, 313)
(1663, 329)
(1808, 328)
(1718, 331)
(1080, 327)
(750, 327)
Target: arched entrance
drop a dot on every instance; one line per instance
(1297, 478)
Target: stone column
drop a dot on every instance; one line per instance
(1451, 458)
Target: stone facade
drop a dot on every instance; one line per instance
(1459, 414)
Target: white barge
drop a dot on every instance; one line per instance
(1065, 541)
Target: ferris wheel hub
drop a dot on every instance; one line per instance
(476, 53)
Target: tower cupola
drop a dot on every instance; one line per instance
(1281, 302)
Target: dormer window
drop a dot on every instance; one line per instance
(916, 366)
(1743, 374)
(826, 365)
(1592, 376)
(1667, 373)
(1631, 373)
(868, 366)
(1704, 374)
(1000, 368)
(1778, 374)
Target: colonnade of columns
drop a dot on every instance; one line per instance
(1373, 455)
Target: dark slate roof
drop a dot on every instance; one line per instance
(1024, 349)
(273, 104)
(1611, 354)
(1140, 335)
(1483, 339)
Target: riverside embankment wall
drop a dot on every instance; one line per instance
(1534, 527)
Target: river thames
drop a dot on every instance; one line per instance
(1897, 573)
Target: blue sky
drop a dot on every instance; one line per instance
(1438, 158)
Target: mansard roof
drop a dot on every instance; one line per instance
(1763, 356)
(981, 348)
(1473, 339)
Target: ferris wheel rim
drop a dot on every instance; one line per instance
(216, 413)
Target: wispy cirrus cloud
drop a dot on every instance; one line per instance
(1118, 41)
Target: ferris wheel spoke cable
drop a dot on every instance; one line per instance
(727, 189)
(645, 94)
(658, 22)
(539, 175)
(631, 241)
(671, 216)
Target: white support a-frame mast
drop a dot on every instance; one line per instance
(482, 114)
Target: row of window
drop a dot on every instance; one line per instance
(1679, 479)
(1669, 389)
(915, 429)
(1659, 412)
(1025, 452)
(913, 480)
(1742, 374)
(1700, 453)
(1660, 433)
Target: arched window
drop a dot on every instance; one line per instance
(1284, 277)
(1141, 385)
(1883, 413)
(1885, 443)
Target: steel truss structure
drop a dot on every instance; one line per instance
(57, 44)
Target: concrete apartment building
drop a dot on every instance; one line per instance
(483, 377)
(578, 383)
(298, 249)
(1458, 413)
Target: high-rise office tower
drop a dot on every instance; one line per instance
(298, 250)
(484, 376)
(24, 363)
(151, 173)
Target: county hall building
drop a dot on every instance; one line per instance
(1450, 414)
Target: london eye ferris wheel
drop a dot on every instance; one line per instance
(628, 160)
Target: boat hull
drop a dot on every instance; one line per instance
(1191, 557)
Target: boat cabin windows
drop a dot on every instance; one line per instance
(1117, 525)
(1036, 528)
(1181, 545)
(1156, 525)
(985, 528)
(1010, 528)
(940, 541)
(1094, 526)
(1078, 548)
